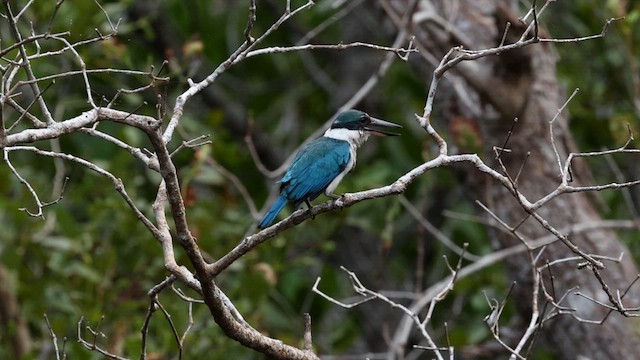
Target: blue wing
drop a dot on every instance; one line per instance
(313, 169)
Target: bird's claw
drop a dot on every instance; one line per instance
(313, 217)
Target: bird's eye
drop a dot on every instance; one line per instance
(364, 120)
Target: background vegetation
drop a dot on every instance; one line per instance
(90, 258)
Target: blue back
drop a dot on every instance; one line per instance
(313, 169)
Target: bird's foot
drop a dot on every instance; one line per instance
(313, 217)
(336, 197)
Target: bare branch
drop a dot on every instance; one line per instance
(54, 338)
(27, 65)
(400, 52)
(238, 184)
(370, 295)
(24, 182)
(435, 232)
(308, 343)
(92, 346)
(234, 58)
(251, 22)
(551, 122)
(585, 38)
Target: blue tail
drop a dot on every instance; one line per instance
(270, 216)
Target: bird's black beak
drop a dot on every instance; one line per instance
(378, 127)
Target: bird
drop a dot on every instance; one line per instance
(320, 165)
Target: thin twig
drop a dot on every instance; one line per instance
(54, 338)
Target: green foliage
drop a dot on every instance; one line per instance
(606, 82)
(99, 260)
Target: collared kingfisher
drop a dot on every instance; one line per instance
(320, 165)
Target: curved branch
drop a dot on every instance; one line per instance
(87, 118)
(233, 59)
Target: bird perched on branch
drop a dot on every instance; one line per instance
(320, 165)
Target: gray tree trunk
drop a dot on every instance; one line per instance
(523, 84)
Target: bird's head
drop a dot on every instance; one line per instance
(360, 121)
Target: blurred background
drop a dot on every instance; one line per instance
(90, 257)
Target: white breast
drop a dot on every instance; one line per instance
(355, 139)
